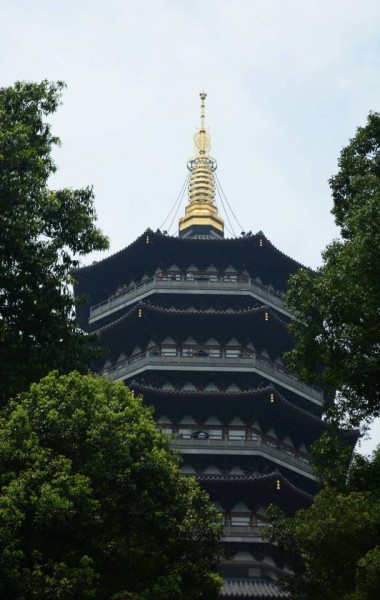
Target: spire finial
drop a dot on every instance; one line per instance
(202, 139)
(201, 214)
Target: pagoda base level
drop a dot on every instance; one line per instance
(201, 232)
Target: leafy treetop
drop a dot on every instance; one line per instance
(337, 332)
(42, 234)
(92, 504)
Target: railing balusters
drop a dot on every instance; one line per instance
(264, 364)
(128, 295)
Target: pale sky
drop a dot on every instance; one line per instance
(288, 83)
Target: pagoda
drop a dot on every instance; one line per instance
(197, 325)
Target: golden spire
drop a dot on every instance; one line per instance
(201, 215)
(202, 138)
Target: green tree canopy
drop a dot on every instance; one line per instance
(92, 503)
(333, 547)
(337, 332)
(42, 234)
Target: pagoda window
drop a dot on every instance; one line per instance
(168, 351)
(168, 386)
(187, 351)
(272, 433)
(214, 352)
(168, 341)
(187, 470)
(187, 420)
(240, 521)
(216, 434)
(233, 352)
(184, 433)
(211, 470)
(167, 431)
(243, 556)
(189, 386)
(288, 441)
(236, 471)
(211, 387)
(233, 388)
(236, 434)
(163, 420)
(213, 420)
(260, 517)
(254, 572)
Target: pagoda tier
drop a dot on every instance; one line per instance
(257, 490)
(261, 410)
(145, 323)
(229, 369)
(248, 553)
(198, 327)
(196, 289)
(258, 431)
(154, 251)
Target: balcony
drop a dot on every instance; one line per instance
(155, 360)
(269, 449)
(234, 533)
(202, 284)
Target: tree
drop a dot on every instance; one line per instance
(337, 331)
(92, 503)
(42, 235)
(333, 547)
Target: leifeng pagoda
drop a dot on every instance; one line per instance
(197, 325)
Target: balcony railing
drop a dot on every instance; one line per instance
(246, 363)
(246, 532)
(183, 284)
(259, 446)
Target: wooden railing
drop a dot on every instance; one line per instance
(252, 362)
(183, 284)
(262, 446)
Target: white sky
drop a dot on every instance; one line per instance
(288, 82)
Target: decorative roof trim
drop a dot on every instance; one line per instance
(157, 234)
(209, 314)
(260, 477)
(226, 393)
(251, 588)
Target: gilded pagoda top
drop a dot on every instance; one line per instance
(201, 214)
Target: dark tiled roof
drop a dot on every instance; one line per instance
(257, 589)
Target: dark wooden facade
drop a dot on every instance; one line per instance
(198, 327)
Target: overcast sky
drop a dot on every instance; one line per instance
(288, 83)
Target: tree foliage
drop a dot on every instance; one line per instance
(42, 234)
(337, 332)
(333, 547)
(92, 503)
